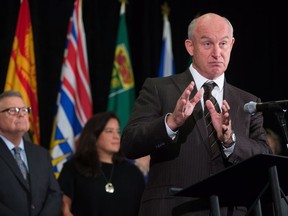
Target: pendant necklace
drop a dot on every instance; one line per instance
(109, 188)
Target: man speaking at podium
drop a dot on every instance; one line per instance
(178, 122)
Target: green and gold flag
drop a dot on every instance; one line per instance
(122, 90)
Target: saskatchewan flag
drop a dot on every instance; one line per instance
(122, 89)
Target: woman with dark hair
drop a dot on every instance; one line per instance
(98, 180)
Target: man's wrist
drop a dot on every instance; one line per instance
(231, 141)
(170, 122)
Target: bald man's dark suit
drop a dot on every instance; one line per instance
(187, 159)
(43, 197)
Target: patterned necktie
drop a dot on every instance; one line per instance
(20, 162)
(208, 87)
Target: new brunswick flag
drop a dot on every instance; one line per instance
(122, 90)
(21, 74)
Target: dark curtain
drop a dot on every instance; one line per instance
(258, 61)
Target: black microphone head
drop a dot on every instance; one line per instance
(250, 107)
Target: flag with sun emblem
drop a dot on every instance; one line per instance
(74, 102)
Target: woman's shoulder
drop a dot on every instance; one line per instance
(69, 164)
(129, 169)
(129, 165)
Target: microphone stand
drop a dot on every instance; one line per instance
(282, 122)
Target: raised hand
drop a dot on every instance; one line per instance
(221, 121)
(184, 107)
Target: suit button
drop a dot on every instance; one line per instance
(236, 161)
(32, 207)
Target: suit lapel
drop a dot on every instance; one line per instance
(229, 95)
(8, 158)
(182, 80)
(32, 163)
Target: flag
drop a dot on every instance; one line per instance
(166, 66)
(122, 90)
(21, 74)
(74, 102)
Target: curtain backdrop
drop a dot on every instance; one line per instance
(258, 62)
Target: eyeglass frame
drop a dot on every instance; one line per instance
(16, 110)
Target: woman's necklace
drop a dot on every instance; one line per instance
(109, 188)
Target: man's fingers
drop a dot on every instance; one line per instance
(210, 106)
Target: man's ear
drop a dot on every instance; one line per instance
(189, 46)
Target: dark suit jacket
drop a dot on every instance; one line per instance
(187, 159)
(42, 197)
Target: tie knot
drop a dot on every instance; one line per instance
(17, 149)
(209, 86)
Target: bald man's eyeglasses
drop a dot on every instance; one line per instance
(15, 110)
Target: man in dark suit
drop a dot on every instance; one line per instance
(168, 123)
(36, 191)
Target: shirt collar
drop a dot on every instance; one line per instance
(200, 80)
(10, 145)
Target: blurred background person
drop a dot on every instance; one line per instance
(274, 141)
(98, 180)
(143, 164)
(28, 186)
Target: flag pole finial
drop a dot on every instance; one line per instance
(165, 9)
(123, 1)
(123, 4)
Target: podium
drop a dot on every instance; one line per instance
(260, 178)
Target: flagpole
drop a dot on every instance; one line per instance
(166, 66)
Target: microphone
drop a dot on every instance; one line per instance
(253, 107)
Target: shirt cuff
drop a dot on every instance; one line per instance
(172, 134)
(228, 151)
